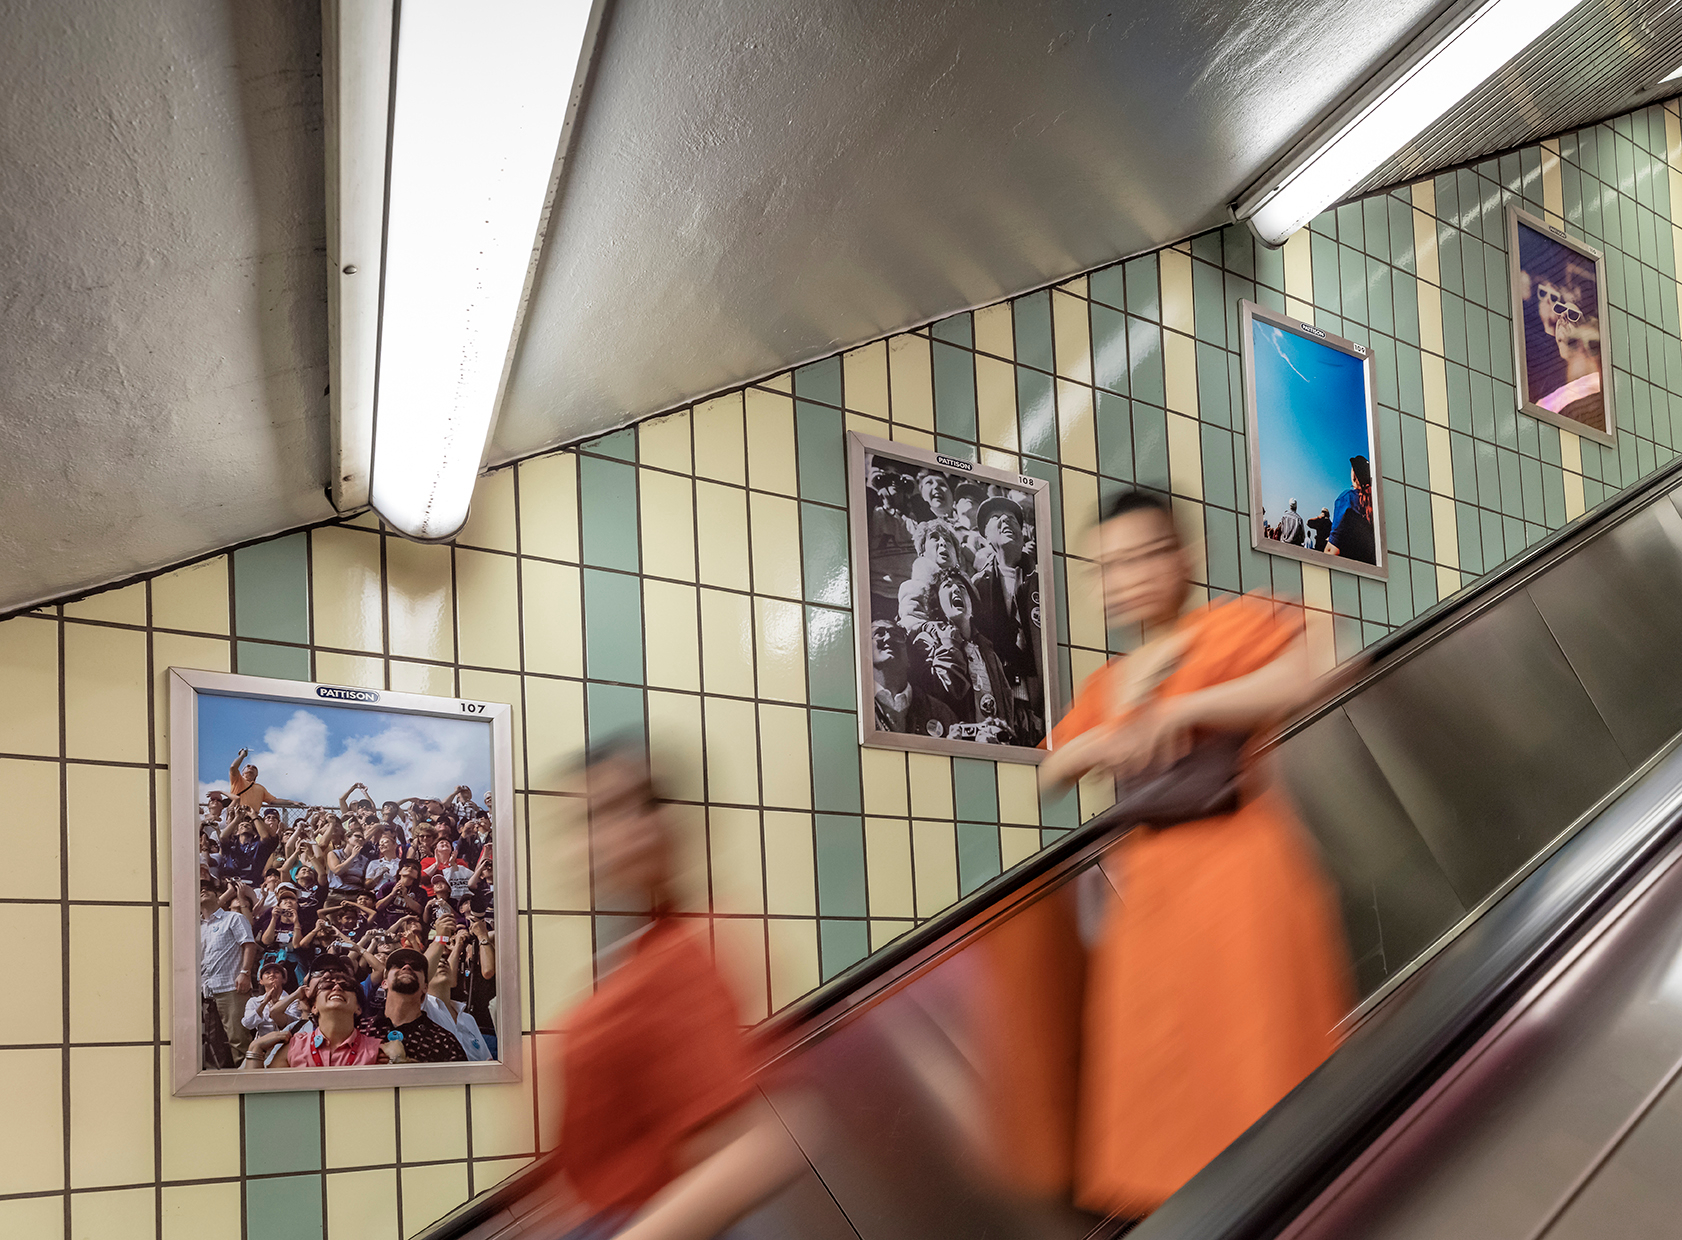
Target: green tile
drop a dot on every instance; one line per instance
(1351, 225)
(1410, 380)
(1323, 254)
(841, 944)
(839, 849)
(1346, 637)
(954, 391)
(1144, 361)
(1061, 809)
(1238, 250)
(1109, 348)
(1048, 473)
(1115, 435)
(1218, 486)
(978, 855)
(820, 381)
(1381, 305)
(615, 716)
(1036, 413)
(1421, 541)
(1208, 299)
(1416, 468)
(1207, 246)
(975, 789)
(1221, 549)
(1553, 496)
(1352, 277)
(822, 451)
(284, 1208)
(1424, 586)
(823, 555)
(1512, 494)
(963, 450)
(1454, 328)
(1404, 300)
(1393, 503)
(620, 445)
(1144, 296)
(1371, 633)
(830, 654)
(282, 1133)
(1494, 542)
(1346, 594)
(1399, 588)
(612, 626)
(1108, 287)
(1150, 447)
(1270, 271)
(1401, 233)
(1214, 389)
(1463, 456)
(1472, 271)
(1375, 603)
(271, 590)
(1032, 315)
(281, 662)
(608, 498)
(835, 762)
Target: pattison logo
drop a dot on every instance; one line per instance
(346, 695)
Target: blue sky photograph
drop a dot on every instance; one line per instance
(1311, 417)
(310, 753)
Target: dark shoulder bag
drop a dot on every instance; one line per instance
(1203, 784)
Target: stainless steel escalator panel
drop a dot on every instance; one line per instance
(1396, 899)
(1490, 744)
(1637, 1193)
(1615, 607)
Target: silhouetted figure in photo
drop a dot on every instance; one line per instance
(1351, 535)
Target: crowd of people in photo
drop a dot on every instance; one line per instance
(1344, 528)
(359, 933)
(955, 606)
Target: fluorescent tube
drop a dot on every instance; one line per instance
(1490, 35)
(479, 106)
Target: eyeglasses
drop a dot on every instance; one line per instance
(335, 982)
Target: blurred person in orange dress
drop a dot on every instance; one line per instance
(663, 1134)
(1218, 979)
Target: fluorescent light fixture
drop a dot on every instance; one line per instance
(482, 98)
(1440, 70)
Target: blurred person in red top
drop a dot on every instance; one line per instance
(1219, 978)
(663, 1133)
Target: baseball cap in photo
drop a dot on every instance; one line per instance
(407, 956)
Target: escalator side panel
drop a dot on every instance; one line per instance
(1613, 609)
(1491, 744)
(1396, 899)
(1636, 1195)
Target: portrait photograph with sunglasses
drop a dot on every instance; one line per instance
(1558, 304)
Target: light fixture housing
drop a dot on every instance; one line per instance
(1454, 55)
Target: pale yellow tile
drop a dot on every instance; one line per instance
(1185, 457)
(33, 1152)
(1076, 431)
(209, 654)
(1424, 196)
(499, 687)
(864, 379)
(1571, 451)
(110, 832)
(502, 1114)
(366, 519)
(34, 933)
(1425, 241)
(671, 634)
(552, 607)
(1317, 586)
(1299, 268)
(686, 826)
(995, 403)
(490, 520)
(111, 974)
(165, 1001)
(776, 545)
(429, 1193)
(1438, 459)
(1300, 310)
(1444, 531)
(110, 1115)
(995, 331)
(1431, 327)
(732, 751)
(884, 932)
(1019, 793)
(1077, 286)
(427, 678)
(560, 853)
(738, 863)
(432, 1122)
(1179, 363)
(1176, 290)
(913, 435)
(664, 444)
(785, 757)
(418, 600)
(1553, 193)
(995, 459)
(780, 383)
(1672, 136)
(129, 1212)
(668, 525)
(1575, 505)
(1188, 519)
(32, 801)
(931, 785)
(194, 598)
(194, 1211)
(549, 506)
(1072, 337)
(125, 605)
(1322, 646)
(739, 952)
(1448, 581)
(1017, 844)
(727, 643)
(1096, 794)
(780, 650)
(345, 576)
(1085, 663)
(554, 734)
(720, 442)
(675, 734)
(723, 513)
(911, 380)
(363, 1204)
(887, 866)
(365, 671)
(771, 460)
(790, 879)
(869, 426)
(488, 608)
(39, 1218)
(794, 960)
(885, 789)
(104, 694)
(934, 847)
(361, 1126)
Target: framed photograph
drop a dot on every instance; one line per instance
(340, 858)
(957, 626)
(1557, 299)
(1313, 444)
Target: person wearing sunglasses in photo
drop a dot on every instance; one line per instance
(333, 1039)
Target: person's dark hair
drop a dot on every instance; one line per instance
(1134, 500)
(1361, 469)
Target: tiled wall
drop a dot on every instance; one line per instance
(690, 576)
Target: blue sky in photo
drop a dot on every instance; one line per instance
(1311, 417)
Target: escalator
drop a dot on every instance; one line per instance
(1498, 800)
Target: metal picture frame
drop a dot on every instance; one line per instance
(860, 449)
(1249, 313)
(1517, 289)
(188, 1077)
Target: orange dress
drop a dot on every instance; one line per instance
(1222, 972)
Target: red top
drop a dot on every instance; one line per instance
(359, 1048)
(654, 1055)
